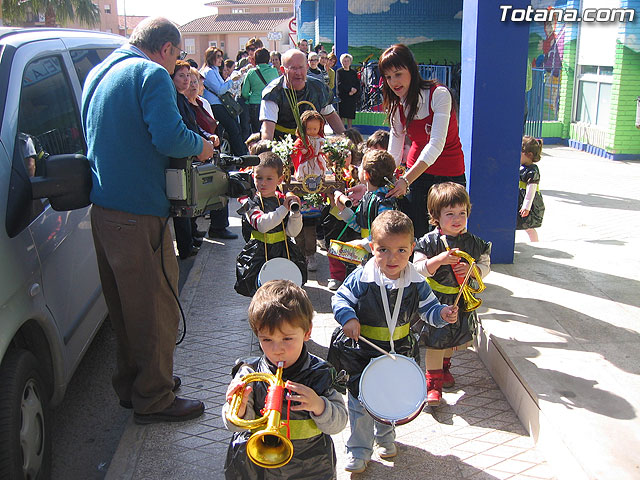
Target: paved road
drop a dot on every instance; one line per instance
(88, 424)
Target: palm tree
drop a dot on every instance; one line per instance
(17, 11)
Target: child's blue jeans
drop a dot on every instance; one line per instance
(364, 429)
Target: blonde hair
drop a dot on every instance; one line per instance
(345, 55)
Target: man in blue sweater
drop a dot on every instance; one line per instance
(132, 126)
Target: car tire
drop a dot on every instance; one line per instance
(225, 146)
(25, 440)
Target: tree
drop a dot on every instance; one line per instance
(54, 11)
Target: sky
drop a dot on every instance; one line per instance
(179, 11)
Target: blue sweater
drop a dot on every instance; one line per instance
(132, 126)
(363, 279)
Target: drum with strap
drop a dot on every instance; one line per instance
(393, 391)
(279, 269)
(347, 252)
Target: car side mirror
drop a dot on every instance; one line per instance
(66, 182)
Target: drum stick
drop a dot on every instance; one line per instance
(464, 282)
(381, 350)
(444, 241)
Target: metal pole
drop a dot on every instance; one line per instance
(124, 8)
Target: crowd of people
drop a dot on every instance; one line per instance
(407, 210)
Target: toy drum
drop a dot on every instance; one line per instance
(347, 253)
(393, 391)
(279, 269)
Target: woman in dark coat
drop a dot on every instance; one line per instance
(348, 87)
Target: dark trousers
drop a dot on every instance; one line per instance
(232, 128)
(306, 239)
(184, 235)
(143, 311)
(254, 117)
(219, 219)
(415, 204)
(245, 119)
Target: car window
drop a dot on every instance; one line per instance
(48, 124)
(84, 60)
(48, 109)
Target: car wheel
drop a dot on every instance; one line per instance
(225, 146)
(25, 443)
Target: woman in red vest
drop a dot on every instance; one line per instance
(423, 111)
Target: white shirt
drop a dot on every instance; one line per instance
(269, 111)
(207, 106)
(441, 107)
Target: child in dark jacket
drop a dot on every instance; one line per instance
(280, 316)
(437, 257)
(267, 224)
(376, 174)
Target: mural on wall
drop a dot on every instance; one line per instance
(546, 54)
(432, 29)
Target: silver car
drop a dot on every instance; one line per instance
(51, 302)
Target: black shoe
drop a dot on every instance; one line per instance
(180, 410)
(191, 253)
(198, 233)
(177, 381)
(197, 242)
(225, 234)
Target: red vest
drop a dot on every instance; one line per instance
(450, 163)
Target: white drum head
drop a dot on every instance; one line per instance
(393, 391)
(280, 269)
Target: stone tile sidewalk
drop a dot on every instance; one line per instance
(475, 434)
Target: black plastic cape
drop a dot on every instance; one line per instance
(530, 174)
(313, 458)
(252, 257)
(459, 333)
(353, 357)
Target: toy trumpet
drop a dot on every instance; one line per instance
(344, 200)
(267, 447)
(466, 291)
(294, 206)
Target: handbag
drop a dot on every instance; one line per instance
(233, 107)
(228, 102)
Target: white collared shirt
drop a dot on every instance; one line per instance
(441, 106)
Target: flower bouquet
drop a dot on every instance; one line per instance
(283, 148)
(336, 152)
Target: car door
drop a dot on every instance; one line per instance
(48, 113)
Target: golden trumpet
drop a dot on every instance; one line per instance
(267, 447)
(471, 302)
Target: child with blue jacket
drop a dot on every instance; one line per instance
(358, 305)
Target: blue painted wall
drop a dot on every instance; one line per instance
(491, 100)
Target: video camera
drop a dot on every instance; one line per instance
(194, 187)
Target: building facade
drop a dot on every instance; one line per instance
(108, 18)
(236, 22)
(585, 75)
